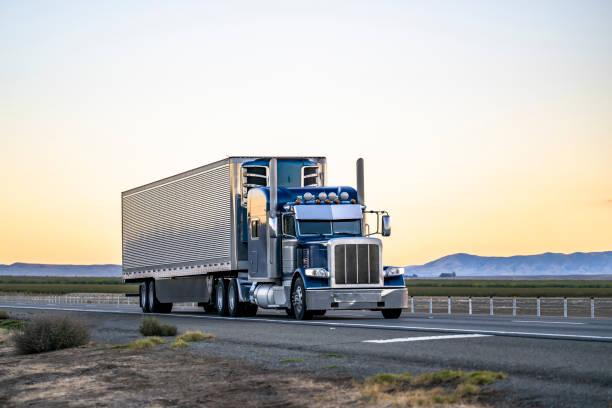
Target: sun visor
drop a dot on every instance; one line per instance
(328, 212)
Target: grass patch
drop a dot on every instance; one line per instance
(509, 288)
(50, 333)
(151, 326)
(442, 387)
(3, 315)
(333, 355)
(178, 344)
(292, 360)
(139, 344)
(12, 324)
(195, 336)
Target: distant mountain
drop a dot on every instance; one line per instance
(578, 263)
(27, 269)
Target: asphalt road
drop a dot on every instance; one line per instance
(549, 362)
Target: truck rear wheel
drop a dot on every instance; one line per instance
(234, 308)
(222, 297)
(298, 300)
(391, 313)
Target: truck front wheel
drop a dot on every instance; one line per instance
(391, 313)
(298, 300)
(222, 297)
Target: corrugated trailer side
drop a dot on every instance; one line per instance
(179, 226)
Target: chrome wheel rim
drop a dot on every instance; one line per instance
(231, 301)
(297, 299)
(143, 296)
(151, 295)
(219, 296)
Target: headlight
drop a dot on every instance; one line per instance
(393, 271)
(317, 272)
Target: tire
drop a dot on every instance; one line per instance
(234, 307)
(144, 298)
(222, 297)
(298, 300)
(151, 299)
(156, 306)
(391, 313)
(250, 310)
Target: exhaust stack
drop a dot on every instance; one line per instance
(273, 187)
(360, 185)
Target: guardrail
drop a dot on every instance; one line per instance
(81, 299)
(512, 306)
(505, 306)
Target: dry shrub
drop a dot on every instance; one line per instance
(195, 336)
(439, 388)
(3, 315)
(150, 326)
(179, 343)
(50, 333)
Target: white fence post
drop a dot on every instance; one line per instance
(514, 306)
(565, 306)
(538, 306)
(491, 305)
(592, 308)
(449, 305)
(430, 305)
(411, 304)
(470, 305)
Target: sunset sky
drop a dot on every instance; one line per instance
(486, 127)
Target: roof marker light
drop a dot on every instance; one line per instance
(318, 201)
(344, 196)
(322, 196)
(353, 201)
(308, 196)
(332, 196)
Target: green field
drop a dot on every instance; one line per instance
(509, 288)
(416, 287)
(54, 285)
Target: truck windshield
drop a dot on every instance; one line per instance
(340, 227)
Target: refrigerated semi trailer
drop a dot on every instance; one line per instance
(245, 233)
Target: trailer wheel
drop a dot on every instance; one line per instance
(222, 297)
(144, 304)
(391, 313)
(233, 300)
(298, 300)
(151, 299)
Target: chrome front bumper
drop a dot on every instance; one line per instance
(380, 298)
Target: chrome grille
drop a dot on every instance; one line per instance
(356, 264)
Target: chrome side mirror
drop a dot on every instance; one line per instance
(386, 225)
(273, 227)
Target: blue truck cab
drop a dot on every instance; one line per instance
(308, 251)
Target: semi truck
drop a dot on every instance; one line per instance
(245, 233)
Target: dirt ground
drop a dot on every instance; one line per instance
(158, 377)
(161, 377)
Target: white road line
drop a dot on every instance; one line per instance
(545, 322)
(339, 324)
(404, 339)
